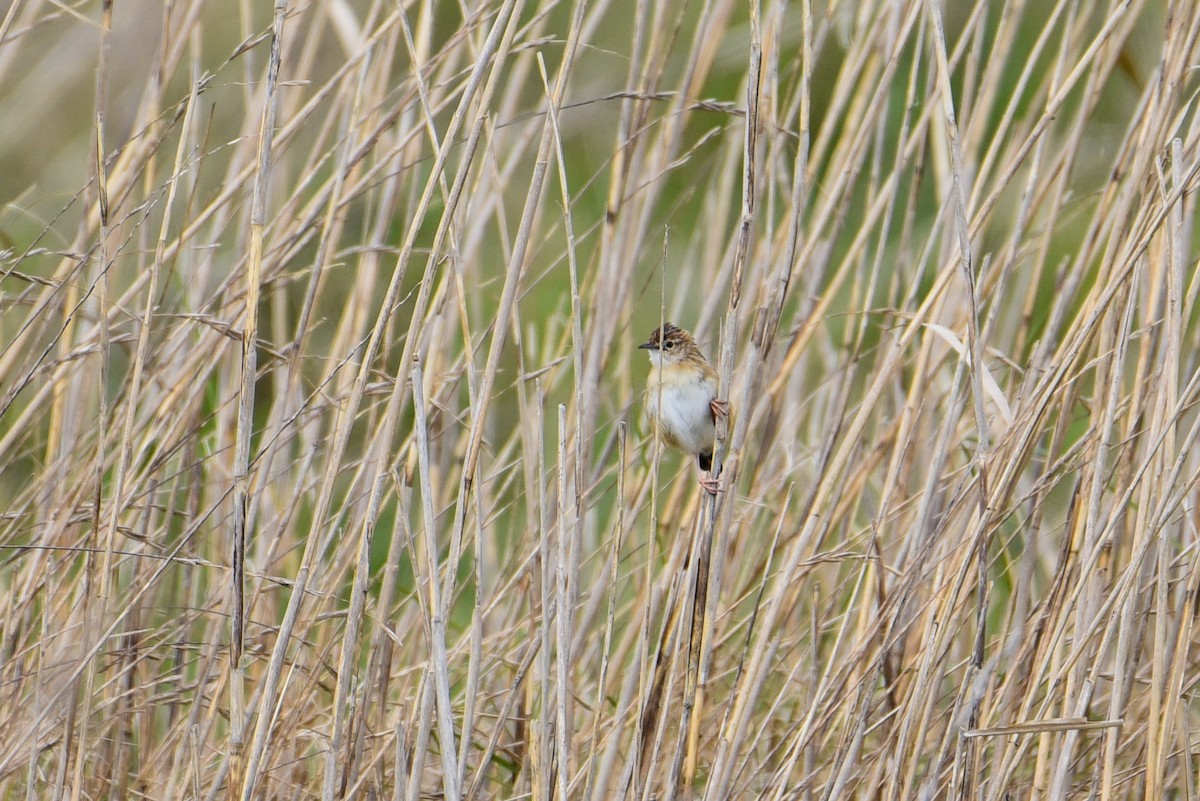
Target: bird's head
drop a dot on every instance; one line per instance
(670, 344)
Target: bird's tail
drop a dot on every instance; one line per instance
(704, 458)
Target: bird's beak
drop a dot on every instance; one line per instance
(647, 346)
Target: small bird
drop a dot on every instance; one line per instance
(682, 395)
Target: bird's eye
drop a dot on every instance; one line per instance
(670, 343)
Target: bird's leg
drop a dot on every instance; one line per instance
(719, 409)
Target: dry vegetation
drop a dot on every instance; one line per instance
(322, 472)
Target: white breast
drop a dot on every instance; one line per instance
(685, 414)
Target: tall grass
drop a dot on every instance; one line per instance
(322, 466)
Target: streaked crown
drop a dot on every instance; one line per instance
(672, 343)
(668, 337)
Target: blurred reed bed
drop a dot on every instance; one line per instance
(322, 467)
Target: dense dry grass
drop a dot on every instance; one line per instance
(322, 466)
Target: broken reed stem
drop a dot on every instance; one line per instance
(563, 617)
(242, 785)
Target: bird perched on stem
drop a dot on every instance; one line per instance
(682, 395)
